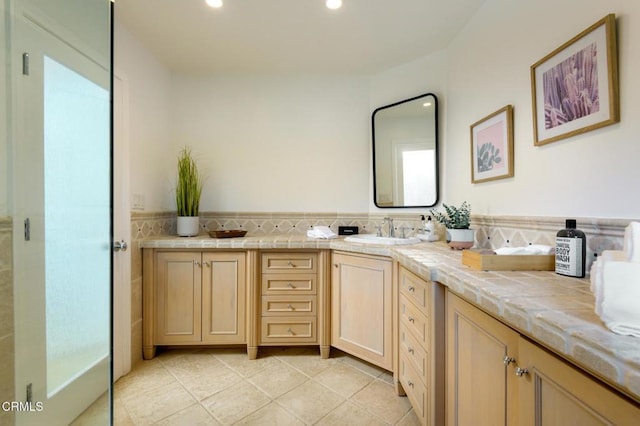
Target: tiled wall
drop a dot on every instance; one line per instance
(491, 232)
(6, 319)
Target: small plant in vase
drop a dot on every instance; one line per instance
(188, 192)
(456, 220)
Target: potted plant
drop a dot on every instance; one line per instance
(456, 220)
(188, 191)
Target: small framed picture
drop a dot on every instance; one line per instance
(575, 87)
(492, 146)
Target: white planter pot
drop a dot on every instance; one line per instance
(188, 226)
(460, 239)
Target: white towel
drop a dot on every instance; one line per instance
(632, 242)
(321, 232)
(597, 276)
(621, 297)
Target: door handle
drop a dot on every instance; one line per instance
(120, 245)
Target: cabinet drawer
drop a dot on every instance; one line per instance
(288, 305)
(415, 389)
(288, 284)
(414, 352)
(289, 262)
(415, 320)
(415, 288)
(288, 330)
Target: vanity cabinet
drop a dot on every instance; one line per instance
(362, 306)
(293, 292)
(419, 371)
(497, 377)
(193, 298)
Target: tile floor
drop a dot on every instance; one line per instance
(284, 386)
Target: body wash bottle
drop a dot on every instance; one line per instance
(571, 250)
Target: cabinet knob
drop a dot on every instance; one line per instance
(410, 384)
(290, 285)
(412, 288)
(290, 331)
(207, 264)
(411, 319)
(291, 264)
(410, 350)
(290, 307)
(335, 265)
(198, 263)
(521, 371)
(508, 360)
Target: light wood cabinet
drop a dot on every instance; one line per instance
(362, 306)
(193, 298)
(553, 392)
(293, 299)
(497, 377)
(419, 372)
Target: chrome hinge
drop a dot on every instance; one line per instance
(25, 63)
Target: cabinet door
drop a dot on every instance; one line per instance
(178, 295)
(554, 393)
(481, 387)
(361, 308)
(223, 297)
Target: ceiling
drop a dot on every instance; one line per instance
(292, 36)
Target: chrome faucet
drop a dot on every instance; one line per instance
(389, 221)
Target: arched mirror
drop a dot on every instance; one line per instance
(405, 153)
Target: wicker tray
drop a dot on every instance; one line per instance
(227, 233)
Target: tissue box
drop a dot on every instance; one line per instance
(487, 260)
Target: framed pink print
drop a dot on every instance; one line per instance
(492, 146)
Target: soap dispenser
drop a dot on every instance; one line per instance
(429, 229)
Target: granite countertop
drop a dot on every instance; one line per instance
(555, 311)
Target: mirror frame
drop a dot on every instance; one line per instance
(436, 160)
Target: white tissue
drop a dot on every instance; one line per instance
(621, 297)
(632, 242)
(323, 232)
(532, 249)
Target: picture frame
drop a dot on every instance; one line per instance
(492, 146)
(575, 88)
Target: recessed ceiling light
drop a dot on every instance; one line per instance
(334, 4)
(214, 3)
(426, 104)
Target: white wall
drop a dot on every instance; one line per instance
(276, 143)
(591, 175)
(4, 153)
(149, 85)
(302, 143)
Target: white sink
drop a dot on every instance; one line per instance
(374, 239)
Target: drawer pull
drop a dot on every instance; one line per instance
(290, 331)
(291, 285)
(290, 264)
(411, 319)
(290, 307)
